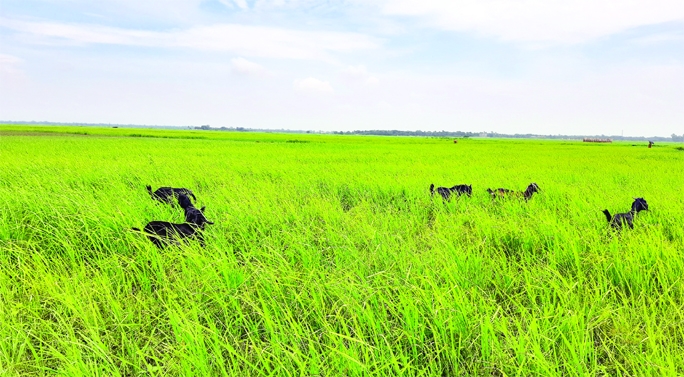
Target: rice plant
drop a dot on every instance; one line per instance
(329, 257)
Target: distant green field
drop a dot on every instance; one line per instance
(330, 258)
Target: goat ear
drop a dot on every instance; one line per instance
(203, 208)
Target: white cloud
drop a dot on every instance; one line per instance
(245, 40)
(9, 60)
(297, 4)
(660, 38)
(312, 85)
(10, 65)
(12, 75)
(372, 81)
(241, 4)
(181, 12)
(245, 67)
(359, 74)
(538, 21)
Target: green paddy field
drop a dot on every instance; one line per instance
(328, 257)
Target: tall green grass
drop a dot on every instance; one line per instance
(329, 258)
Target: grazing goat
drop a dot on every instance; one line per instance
(446, 192)
(162, 233)
(502, 192)
(619, 219)
(192, 214)
(167, 194)
(639, 205)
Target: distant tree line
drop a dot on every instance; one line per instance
(113, 125)
(463, 134)
(455, 134)
(410, 133)
(243, 129)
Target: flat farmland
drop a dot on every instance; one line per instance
(329, 257)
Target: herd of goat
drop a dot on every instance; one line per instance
(615, 221)
(162, 233)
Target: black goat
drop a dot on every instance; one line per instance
(639, 205)
(620, 219)
(192, 214)
(446, 192)
(167, 194)
(162, 233)
(502, 192)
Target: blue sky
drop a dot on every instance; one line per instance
(516, 66)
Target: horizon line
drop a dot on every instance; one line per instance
(378, 132)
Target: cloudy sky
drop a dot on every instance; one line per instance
(510, 66)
